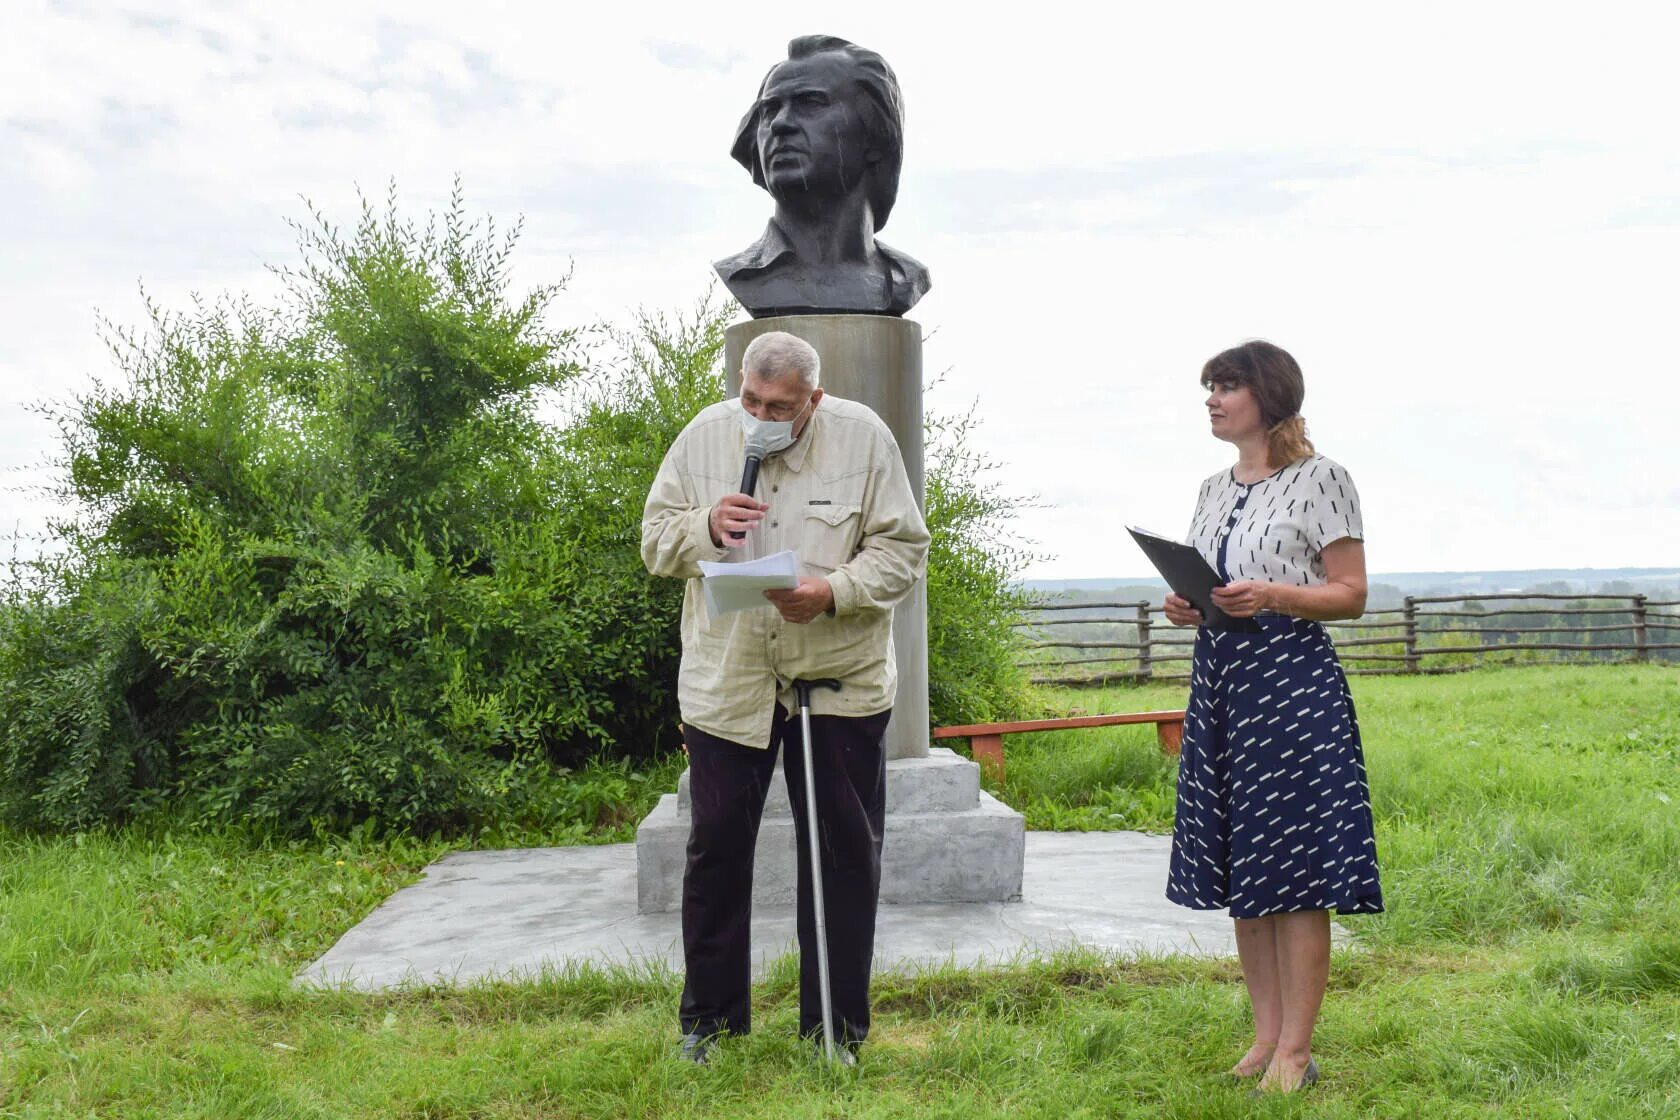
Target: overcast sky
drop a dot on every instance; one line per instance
(1463, 219)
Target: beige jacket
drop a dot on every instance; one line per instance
(838, 497)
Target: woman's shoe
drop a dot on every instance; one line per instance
(1309, 1077)
(1233, 1074)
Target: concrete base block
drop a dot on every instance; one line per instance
(946, 841)
(943, 781)
(976, 855)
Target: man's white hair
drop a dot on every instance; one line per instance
(775, 353)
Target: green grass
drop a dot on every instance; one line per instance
(1529, 964)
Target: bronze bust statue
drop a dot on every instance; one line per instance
(826, 138)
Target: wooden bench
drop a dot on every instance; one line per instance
(985, 740)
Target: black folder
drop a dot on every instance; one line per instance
(1189, 576)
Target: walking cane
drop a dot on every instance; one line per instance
(802, 690)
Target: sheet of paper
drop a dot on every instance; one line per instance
(741, 585)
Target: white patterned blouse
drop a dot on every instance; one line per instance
(1274, 530)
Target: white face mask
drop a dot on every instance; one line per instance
(771, 435)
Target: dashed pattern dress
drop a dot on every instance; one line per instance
(1274, 811)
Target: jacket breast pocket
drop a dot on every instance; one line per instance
(831, 535)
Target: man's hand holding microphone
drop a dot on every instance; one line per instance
(732, 517)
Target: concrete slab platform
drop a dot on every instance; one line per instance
(502, 915)
(946, 840)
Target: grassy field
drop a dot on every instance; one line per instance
(1529, 965)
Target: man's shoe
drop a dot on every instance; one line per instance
(845, 1053)
(696, 1048)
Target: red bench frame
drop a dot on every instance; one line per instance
(985, 740)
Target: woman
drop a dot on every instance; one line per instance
(1274, 815)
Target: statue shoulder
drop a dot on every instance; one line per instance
(770, 247)
(910, 278)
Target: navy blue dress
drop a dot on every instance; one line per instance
(1274, 811)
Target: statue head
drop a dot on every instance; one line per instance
(828, 121)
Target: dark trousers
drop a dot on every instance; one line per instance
(728, 783)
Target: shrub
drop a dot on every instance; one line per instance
(974, 598)
(326, 563)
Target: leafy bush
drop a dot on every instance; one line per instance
(327, 563)
(974, 599)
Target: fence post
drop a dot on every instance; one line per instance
(1640, 652)
(1410, 616)
(1145, 654)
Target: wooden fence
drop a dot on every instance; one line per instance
(1112, 642)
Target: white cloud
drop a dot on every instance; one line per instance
(1462, 218)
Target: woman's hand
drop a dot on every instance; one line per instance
(1245, 598)
(1180, 612)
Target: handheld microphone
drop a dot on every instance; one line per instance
(749, 476)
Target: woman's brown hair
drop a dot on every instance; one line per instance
(1274, 377)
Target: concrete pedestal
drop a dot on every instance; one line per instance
(946, 841)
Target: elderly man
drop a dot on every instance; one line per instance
(835, 491)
